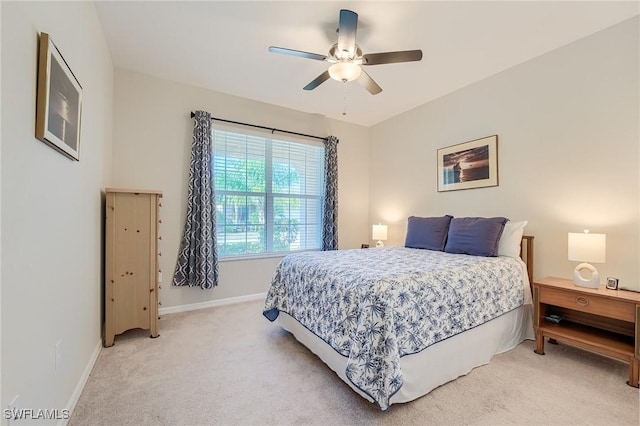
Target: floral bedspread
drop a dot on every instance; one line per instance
(377, 305)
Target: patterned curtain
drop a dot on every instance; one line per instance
(198, 258)
(330, 211)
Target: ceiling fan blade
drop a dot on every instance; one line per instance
(391, 57)
(347, 29)
(367, 82)
(299, 53)
(318, 81)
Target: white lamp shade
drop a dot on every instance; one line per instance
(344, 71)
(585, 247)
(379, 232)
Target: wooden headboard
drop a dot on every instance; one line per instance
(526, 254)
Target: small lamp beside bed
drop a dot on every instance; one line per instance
(586, 247)
(379, 233)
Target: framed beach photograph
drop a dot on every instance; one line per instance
(472, 164)
(59, 102)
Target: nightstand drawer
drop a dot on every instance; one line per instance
(592, 304)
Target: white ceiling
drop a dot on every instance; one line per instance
(223, 46)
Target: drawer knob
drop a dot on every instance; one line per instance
(582, 301)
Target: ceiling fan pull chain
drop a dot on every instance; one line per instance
(344, 85)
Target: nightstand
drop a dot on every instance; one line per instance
(599, 320)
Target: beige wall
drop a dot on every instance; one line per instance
(568, 128)
(51, 208)
(152, 143)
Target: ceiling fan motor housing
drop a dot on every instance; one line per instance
(345, 56)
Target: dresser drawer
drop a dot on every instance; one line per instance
(592, 304)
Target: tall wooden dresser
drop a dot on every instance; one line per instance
(131, 262)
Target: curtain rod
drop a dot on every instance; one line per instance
(265, 128)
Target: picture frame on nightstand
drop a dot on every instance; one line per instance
(612, 283)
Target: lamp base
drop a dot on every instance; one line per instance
(379, 243)
(580, 281)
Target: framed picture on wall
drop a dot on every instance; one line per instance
(59, 103)
(467, 165)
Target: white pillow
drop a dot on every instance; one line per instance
(509, 244)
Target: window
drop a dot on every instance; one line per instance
(268, 194)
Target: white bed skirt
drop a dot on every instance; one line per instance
(439, 363)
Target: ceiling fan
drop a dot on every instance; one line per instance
(346, 57)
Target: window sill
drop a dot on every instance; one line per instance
(280, 254)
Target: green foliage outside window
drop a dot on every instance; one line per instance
(241, 218)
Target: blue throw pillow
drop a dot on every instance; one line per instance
(427, 232)
(478, 236)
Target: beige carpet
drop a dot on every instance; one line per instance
(230, 366)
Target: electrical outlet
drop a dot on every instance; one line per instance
(14, 406)
(58, 354)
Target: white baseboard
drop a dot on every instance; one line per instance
(75, 396)
(211, 304)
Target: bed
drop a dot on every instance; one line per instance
(394, 323)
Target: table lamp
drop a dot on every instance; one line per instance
(585, 247)
(379, 233)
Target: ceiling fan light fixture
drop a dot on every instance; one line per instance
(344, 71)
